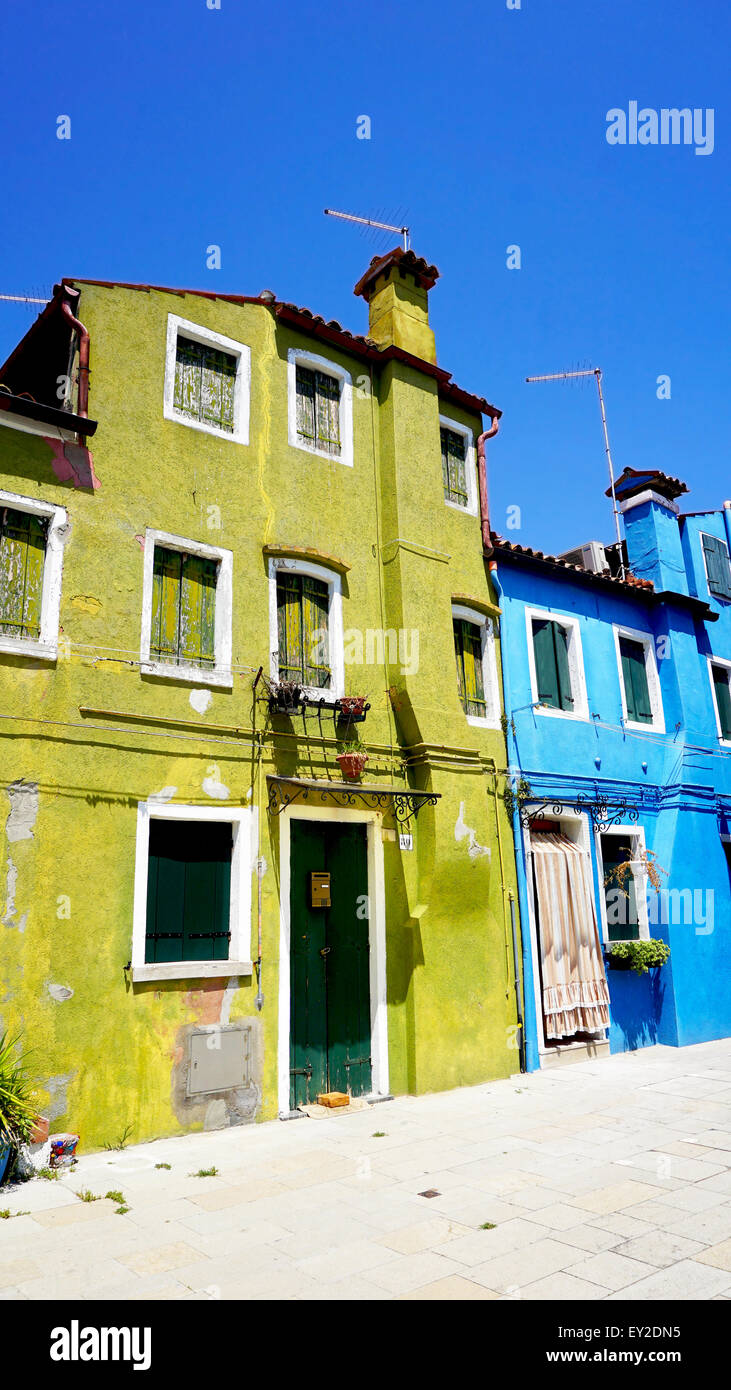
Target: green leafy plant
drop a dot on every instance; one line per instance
(49, 1174)
(205, 1173)
(515, 796)
(487, 1226)
(163, 1165)
(86, 1196)
(115, 1196)
(121, 1142)
(17, 1108)
(641, 956)
(378, 1134)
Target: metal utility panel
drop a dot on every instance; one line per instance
(219, 1060)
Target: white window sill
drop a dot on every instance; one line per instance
(643, 728)
(466, 510)
(191, 970)
(39, 651)
(193, 675)
(479, 723)
(580, 715)
(322, 453)
(235, 436)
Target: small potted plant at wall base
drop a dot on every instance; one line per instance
(352, 759)
(639, 956)
(17, 1111)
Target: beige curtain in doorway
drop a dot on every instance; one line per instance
(575, 993)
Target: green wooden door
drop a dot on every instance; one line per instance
(330, 1026)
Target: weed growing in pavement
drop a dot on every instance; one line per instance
(205, 1173)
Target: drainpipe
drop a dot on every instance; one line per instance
(83, 339)
(727, 522)
(516, 966)
(530, 1055)
(482, 477)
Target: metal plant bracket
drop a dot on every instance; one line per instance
(285, 791)
(603, 813)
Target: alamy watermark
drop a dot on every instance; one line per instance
(668, 126)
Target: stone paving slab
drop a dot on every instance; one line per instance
(604, 1180)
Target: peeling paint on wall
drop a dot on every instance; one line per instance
(461, 830)
(72, 463)
(23, 798)
(164, 794)
(11, 884)
(85, 603)
(215, 789)
(200, 700)
(60, 993)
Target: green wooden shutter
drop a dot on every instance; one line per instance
(204, 383)
(315, 639)
(306, 404)
(723, 699)
(22, 559)
(187, 394)
(453, 467)
(545, 660)
(328, 412)
(183, 609)
(634, 675)
(289, 626)
(468, 652)
(561, 646)
(718, 566)
(197, 611)
(188, 891)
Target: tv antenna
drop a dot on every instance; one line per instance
(596, 372)
(370, 222)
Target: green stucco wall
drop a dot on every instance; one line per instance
(106, 1050)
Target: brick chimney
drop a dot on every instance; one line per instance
(396, 287)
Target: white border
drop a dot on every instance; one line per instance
(489, 665)
(220, 674)
(636, 834)
(242, 384)
(46, 647)
(243, 822)
(653, 680)
(718, 598)
(470, 465)
(376, 935)
(718, 661)
(649, 495)
(576, 664)
(334, 623)
(301, 357)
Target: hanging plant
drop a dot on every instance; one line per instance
(352, 709)
(285, 697)
(516, 795)
(352, 759)
(639, 956)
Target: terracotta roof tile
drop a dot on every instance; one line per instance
(630, 581)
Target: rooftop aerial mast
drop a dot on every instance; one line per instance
(370, 222)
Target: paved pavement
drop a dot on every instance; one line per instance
(603, 1180)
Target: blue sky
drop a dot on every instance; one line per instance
(237, 126)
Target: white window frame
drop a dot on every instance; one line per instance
(45, 647)
(470, 465)
(576, 664)
(489, 665)
(716, 598)
(278, 563)
(636, 834)
(220, 673)
(711, 662)
(653, 679)
(243, 822)
(242, 384)
(299, 357)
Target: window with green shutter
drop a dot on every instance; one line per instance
(718, 566)
(723, 699)
(551, 652)
(318, 410)
(634, 678)
(183, 609)
(204, 384)
(303, 629)
(22, 557)
(454, 468)
(188, 891)
(470, 680)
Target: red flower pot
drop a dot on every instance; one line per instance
(352, 706)
(352, 764)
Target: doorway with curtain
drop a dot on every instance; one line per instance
(574, 994)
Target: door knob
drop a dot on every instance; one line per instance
(325, 951)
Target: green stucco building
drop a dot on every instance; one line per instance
(230, 529)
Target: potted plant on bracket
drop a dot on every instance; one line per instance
(352, 759)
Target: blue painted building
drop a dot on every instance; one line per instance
(616, 669)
